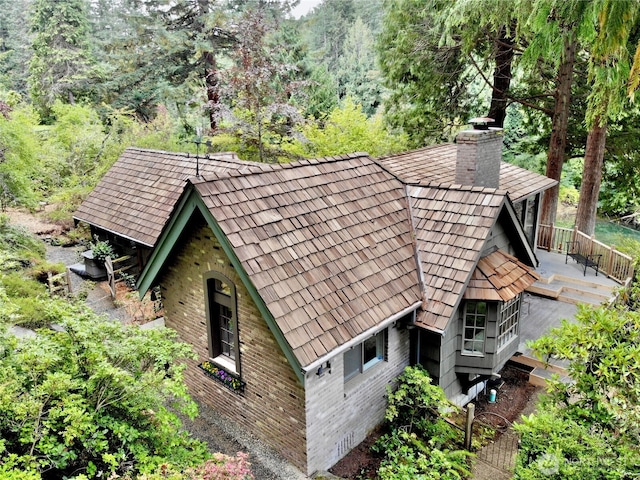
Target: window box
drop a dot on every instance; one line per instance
(228, 380)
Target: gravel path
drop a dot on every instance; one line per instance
(219, 434)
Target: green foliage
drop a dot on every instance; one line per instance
(19, 157)
(60, 63)
(101, 250)
(18, 246)
(358, 76)
(433, 89)
(568, 195)
(347, 129)
(588, 428)
(94, 397)
(420, 444)
(16, 285)
(220, 467)
(555, 445)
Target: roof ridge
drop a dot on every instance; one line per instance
(260, 168)
(415, 150)
(218, 156)
(460, 187)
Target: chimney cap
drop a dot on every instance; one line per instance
(481, 123)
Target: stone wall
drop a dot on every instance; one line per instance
(272, 406)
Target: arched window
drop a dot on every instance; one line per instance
(222, 321)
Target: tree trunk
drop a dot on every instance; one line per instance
(501, 77)
(591, 178)
(559, 127)
(213, 89)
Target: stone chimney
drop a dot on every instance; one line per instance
(479, 153)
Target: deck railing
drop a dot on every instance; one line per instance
(616, 265)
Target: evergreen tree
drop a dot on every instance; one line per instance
(258, 87)
(358, 75)
(15, 50)
(60, 65)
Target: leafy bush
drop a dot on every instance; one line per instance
(41, 270)
(31, 312)
(420, 444)
(220, 467)
(101, 250)
(588, 428)
(18, 243)
(569, 195)
(16, 285)
(96, 397)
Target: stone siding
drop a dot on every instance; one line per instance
(272, 406)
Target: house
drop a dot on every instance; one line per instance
(131, 204)
(306, 288)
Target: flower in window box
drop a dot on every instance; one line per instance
(228, 380)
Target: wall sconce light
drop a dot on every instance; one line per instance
(324, 368)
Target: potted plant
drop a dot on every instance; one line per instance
(94, 259)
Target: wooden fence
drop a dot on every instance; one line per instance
(60, 283)
(616, 265)
(114, 268)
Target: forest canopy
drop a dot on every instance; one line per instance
(244, 75)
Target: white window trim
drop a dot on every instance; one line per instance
(504, 338)
(475, 353)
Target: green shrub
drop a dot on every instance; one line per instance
(16, 285)
(19, 242)
(101, 250)
(97, 399)
(420, 442)
(31, 312)
(41, 270)
(569, 195)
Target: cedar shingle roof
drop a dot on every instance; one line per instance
(437, 165)
(137, 195)
(327, 244)
(499, 277)
(451, 228)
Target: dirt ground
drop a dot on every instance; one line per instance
(514, 394)
(35, 222)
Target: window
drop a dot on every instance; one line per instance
(475, 324)
(508, 321)
(363, 356)
(222, 325)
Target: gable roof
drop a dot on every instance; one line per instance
(451, 228)
(136, 196)
(437, 165)
(327, 244)
(334, 249)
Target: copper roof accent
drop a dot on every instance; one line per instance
(451, 228)
(436, 165)
(499, 277)
(327, 243)
(136, 196)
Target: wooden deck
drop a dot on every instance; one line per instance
(556, 295)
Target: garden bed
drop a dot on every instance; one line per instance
(515, 395)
